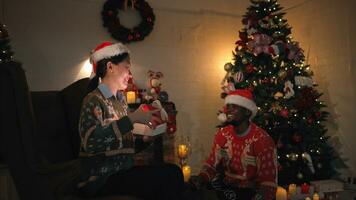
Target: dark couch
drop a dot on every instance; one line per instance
(39, 139)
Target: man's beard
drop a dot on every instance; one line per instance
(234, 122)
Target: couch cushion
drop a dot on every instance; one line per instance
(72, 100)
(51, 126)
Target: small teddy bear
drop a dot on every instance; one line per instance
(154, 84)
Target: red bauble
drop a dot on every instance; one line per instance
(317, 114)
(137, 35)
(250, 68)
(243, 36)
(297, 138)
(266, 81)
(110, 12)
(284, 113)
(130, 37)
(310, 120)
(149, 19)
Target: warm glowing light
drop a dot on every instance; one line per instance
(292, 189)
(85, 69)
(186, 172)
(183, 150)
(131, 97)
(281, 194)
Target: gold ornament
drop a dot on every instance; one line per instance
(275, 107)
(278, 95)
(300, 175)
(228, 67)
(244, 61)
(293, 157)
(282, 74)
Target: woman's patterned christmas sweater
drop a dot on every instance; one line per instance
(107, 143)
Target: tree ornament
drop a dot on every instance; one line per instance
(275, 107)
(309, 161)
(284, 113)
(250, 68)
(297, 138)
(239, 77)
(293, 157)
(251, 31)
(295, 53)
(318, 114)
(310, 120)
(244, 61)
(228, 66)
(288, 90)
(282, 74)
(319, 165)
(300, 175)
(303, 81)
(278, 95)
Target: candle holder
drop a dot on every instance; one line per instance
(183, 150)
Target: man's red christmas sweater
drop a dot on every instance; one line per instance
(249, 160)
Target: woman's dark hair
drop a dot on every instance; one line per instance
(101, 69)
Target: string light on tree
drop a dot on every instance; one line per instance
(269, 57)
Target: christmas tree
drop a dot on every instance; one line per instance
(5, 49)
(269, 63)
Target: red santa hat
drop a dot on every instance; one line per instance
(106, 50)
(241, 97)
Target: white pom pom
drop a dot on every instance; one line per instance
(222, 117)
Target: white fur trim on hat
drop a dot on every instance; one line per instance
(242, 101)
(109, 51)
(222, 117)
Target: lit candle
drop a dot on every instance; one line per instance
(182, 151)
(292, 189)
(316, 196)
(131, 97)
(281, 194)
(186, 172)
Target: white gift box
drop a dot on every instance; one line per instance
(327, 186)
(143, 129)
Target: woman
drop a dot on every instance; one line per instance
(107, 143)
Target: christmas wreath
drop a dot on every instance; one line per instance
(112, 22)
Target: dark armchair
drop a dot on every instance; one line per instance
(39, 138)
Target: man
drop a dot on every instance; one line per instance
(245, 153)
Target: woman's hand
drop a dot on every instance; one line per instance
(149, 117)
